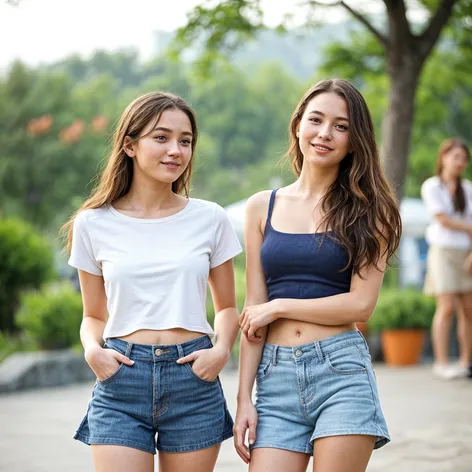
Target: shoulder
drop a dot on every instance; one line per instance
(432, 182)
(259, 202)
(467, 184)
(84, 217)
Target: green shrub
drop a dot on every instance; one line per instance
(402, 309)
(26, 261)
(51, 317)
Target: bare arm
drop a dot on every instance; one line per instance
(251, 353)
(226, 310)
(209, 362)
(356, 305)
(104, 362)
(450, 223)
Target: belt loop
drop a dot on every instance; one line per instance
(274, 356)
(319, 351)
(128, 349)
(364, 340)
(180, 350)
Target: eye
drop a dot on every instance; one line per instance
(314, 119)
(342, 127)
(160, 138)
(186, 142)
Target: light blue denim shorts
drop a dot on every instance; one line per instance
(315, 390)
(157, 403)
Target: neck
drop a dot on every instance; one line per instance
(315, 181)
(150, 199)
(449, 178)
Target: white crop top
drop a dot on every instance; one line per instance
(155, 270)
(438, 199)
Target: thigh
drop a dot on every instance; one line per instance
(277, 460)
(465, 305)
(445, 303)
(342, 453)
(196, 461)
(108, 458)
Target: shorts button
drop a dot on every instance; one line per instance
(298, 353)
(158, 352)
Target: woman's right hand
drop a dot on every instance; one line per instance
(246, 420)
(105, 362)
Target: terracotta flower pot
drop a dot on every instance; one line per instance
(403, 346)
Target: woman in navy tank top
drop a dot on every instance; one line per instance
(316, 255)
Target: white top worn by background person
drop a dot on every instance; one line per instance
(438, 199)
(155, 270)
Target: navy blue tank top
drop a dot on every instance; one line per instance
(298, 266)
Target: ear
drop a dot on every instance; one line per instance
(297, 133)
(128, 147)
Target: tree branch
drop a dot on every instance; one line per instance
(430, 35)
(383, 40)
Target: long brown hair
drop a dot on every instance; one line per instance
(359, 206)
(115, 180)
(445, 147)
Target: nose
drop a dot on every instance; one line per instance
(174, 148)
(324, 133)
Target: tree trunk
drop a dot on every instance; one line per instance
(398, 122)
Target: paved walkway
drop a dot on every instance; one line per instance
(430, 423)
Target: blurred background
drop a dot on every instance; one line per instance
(68, 70)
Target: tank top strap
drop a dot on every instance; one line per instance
(271, 204)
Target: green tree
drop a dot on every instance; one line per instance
(405, 48)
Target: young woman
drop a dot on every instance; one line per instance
(145, 254)
(448, 197)
(316, 255)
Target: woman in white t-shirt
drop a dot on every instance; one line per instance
(145, 254)
(448, 197)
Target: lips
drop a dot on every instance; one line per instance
(171, 164)
(322, 147)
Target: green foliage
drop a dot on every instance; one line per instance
(402, 309)
(27, 262)
(51, 317)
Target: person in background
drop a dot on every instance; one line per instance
(448, 198)
(145, 253)
(316, 253)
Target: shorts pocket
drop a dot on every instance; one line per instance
(264, 370)
(112, 377)
(346, 361)
(195, 376)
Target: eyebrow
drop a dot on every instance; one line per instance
(167, 130)
(316, 112)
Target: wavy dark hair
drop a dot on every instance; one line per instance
(115, 180)
(359, 207)
(446, 146)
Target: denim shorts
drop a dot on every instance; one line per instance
(315, 390)
(157, 403)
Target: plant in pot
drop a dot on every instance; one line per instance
(402, 316)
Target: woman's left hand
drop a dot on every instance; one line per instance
(255, 317)
(207, 363)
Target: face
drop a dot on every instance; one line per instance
(165, 151)
(454, 162)
(323, 131)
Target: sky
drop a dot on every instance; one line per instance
(46, 30)
(42, 31)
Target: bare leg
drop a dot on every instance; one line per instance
(277, 460)
(441, 328)
(108, 458)
(464, 328)
(350, 453)
(203, 460)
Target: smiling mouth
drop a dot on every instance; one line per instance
(171, 165)
(321, 147)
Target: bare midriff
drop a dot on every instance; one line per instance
(284, 332)
(166, 336)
